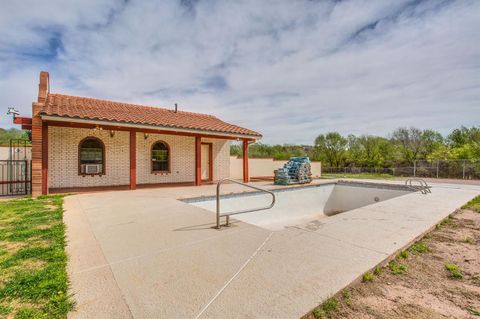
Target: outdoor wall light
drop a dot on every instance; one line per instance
(145, 136)
(112, 133)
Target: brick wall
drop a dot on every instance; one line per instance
(182, 159)
(63, 158)
(221, 157)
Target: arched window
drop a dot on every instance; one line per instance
(160, 157)
(91, 156)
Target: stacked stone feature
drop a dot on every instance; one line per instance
(296, 171)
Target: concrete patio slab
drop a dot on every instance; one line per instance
(178, 283)
(96, 291)
(284, 279)
(144, 254)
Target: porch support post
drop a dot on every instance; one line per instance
(245, 160)
(44, 158)
(198, 161)
(133, 160)
(39, 168)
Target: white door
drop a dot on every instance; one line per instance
(206, 161)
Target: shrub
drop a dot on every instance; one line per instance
(397, 269)
(454, 271)
(326, 309)
(418, 248)
(368, 276)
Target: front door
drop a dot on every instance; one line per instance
(207, 162)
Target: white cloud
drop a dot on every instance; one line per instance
(289, 69)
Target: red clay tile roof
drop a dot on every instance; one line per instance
(94, 109)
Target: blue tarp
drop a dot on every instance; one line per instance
(296, 170)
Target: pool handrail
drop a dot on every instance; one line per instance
(243, 210)
(423, 187)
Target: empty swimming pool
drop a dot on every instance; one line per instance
(300, 205)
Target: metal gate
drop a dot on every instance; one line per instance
(19, 149)
(15, 177)
(15, 171)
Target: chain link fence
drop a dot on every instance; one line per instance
(455, 169)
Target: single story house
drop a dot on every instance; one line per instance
(81, 143)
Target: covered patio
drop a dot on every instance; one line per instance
(197, 154)
(87, 144)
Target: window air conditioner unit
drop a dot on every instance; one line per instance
(92, 169)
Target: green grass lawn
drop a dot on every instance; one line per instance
(474, 204)
(33, 277)
(360, 175)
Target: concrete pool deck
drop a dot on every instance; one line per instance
(144, 254)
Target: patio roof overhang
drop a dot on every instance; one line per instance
(54, 120)
(26, 122)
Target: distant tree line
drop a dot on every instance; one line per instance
(9, 134)
(403, 146)
(278, 152)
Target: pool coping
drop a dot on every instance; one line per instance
(205, 198)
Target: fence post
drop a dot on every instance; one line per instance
(437, 168)
(25, 176)
(414, 168)
(463, 170)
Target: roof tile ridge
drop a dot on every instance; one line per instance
(132, 104)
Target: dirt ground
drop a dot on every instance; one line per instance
(427, 289)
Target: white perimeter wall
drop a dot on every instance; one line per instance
(5, 153)
(261, 167)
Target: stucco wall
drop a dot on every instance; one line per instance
(63, 158)
(21, 153)
(261, 167)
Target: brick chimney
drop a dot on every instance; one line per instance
(43, 86)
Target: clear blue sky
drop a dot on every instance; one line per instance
(289, 69)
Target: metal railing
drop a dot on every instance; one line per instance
(243, 210)
(423, 187)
